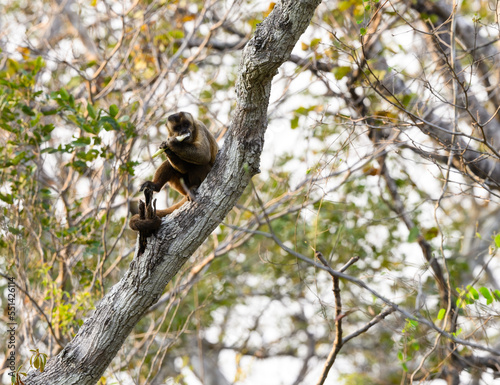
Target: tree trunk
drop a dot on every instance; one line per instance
(86, 357)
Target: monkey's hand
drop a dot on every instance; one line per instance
(149, 185)
(167, 145)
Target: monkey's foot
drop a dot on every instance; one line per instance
(149, 185)
(146, 222)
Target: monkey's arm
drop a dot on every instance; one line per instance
(195, 153)
(177, 163)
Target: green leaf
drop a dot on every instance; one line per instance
(52, 111)
(497, 240)
(414, 234)
(413, 322)
(315, 42)
(78, 165)
(341, 72)
(39, 64)
(303, 111)
(129, 167)
(486, 294)
(113, 110)
(18, 158)
(431, 233)
(64, 94)
(88, 155)
(47, 129)
(13, 230)
(473, 294)
(7, 198)
(109, 123)
(441, 314)
(362, 31)
(344, 6)
(27, 110)
(176, 34)
(81, 142)
(407, 99)
(91, 111)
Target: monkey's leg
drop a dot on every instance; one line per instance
(177, 183)
(189, 193)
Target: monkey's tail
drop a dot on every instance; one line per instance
(171, 209)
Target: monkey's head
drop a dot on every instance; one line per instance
(181, 126)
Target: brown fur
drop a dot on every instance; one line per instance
(187, 165)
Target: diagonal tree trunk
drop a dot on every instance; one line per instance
(87, 356)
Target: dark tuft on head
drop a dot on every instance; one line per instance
(175, 118)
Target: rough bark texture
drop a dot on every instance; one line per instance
(87, 356)
(479, 163)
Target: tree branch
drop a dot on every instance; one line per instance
(338, 342)
(362, 284)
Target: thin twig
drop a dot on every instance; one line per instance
(369, 325)
(337, 343)
(358, 282)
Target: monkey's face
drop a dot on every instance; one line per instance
(181, 126)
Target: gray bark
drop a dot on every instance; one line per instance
(86, 357)
(483, 165)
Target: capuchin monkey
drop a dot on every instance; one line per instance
(191, 150)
